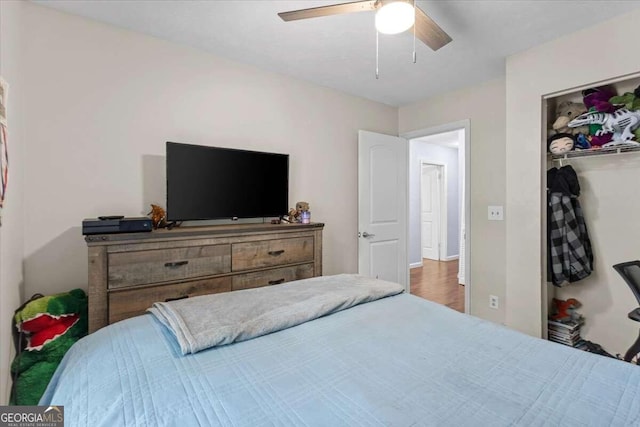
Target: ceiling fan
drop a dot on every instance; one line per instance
(392, 17)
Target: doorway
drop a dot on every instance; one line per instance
(436, 217)
(387, 234)
(432, 210)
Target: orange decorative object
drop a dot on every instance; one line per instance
(158, 217)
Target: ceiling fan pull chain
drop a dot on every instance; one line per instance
(377, 55)
(414, 32)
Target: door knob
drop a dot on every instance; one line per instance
(367, 235)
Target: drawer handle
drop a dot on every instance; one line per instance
(176, 298)
(276, 282)
(276, 253)
(175, 264)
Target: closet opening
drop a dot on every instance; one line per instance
(590, 194)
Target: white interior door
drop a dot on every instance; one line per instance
(382, 207)
(430, 211)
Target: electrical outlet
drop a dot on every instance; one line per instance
(494, 302)
(496, 213)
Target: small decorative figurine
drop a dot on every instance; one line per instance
(302, 207)
(296, 215)
(158, 217)
(291, 215)
(302, 212)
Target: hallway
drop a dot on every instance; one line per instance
(437, 281)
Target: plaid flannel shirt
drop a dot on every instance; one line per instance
(570, 252)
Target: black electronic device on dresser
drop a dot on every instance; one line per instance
(115, 224)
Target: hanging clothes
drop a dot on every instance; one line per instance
(569, 247)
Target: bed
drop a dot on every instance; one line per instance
(394, 361)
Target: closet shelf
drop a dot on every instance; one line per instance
(621, 149)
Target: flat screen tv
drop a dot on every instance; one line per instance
(222, 183)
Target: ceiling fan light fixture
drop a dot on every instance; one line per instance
(394, 18)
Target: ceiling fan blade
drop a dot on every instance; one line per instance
(429, 32)
(336, 9)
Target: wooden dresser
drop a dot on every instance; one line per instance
(129, 272)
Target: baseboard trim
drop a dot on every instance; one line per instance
(451, 258)
(415, 265)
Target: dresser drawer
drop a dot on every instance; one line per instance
(133, 302)
(272, 277)
(267, 253)
(162, 265)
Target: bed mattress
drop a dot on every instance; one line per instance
(398, 361)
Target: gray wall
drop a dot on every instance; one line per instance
(420, 150)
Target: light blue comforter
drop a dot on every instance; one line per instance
(398, 361)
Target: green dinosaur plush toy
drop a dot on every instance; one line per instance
(51, 325)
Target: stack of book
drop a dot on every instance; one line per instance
(567, 333)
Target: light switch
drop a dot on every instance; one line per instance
(496, 213)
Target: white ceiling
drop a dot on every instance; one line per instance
(450, 139)
(339, 51)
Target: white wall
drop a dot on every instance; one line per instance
(102, 101)
(11, 231)
(484, 106)
(540, 71)
(420, 150)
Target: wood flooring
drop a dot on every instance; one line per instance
(437, 281)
